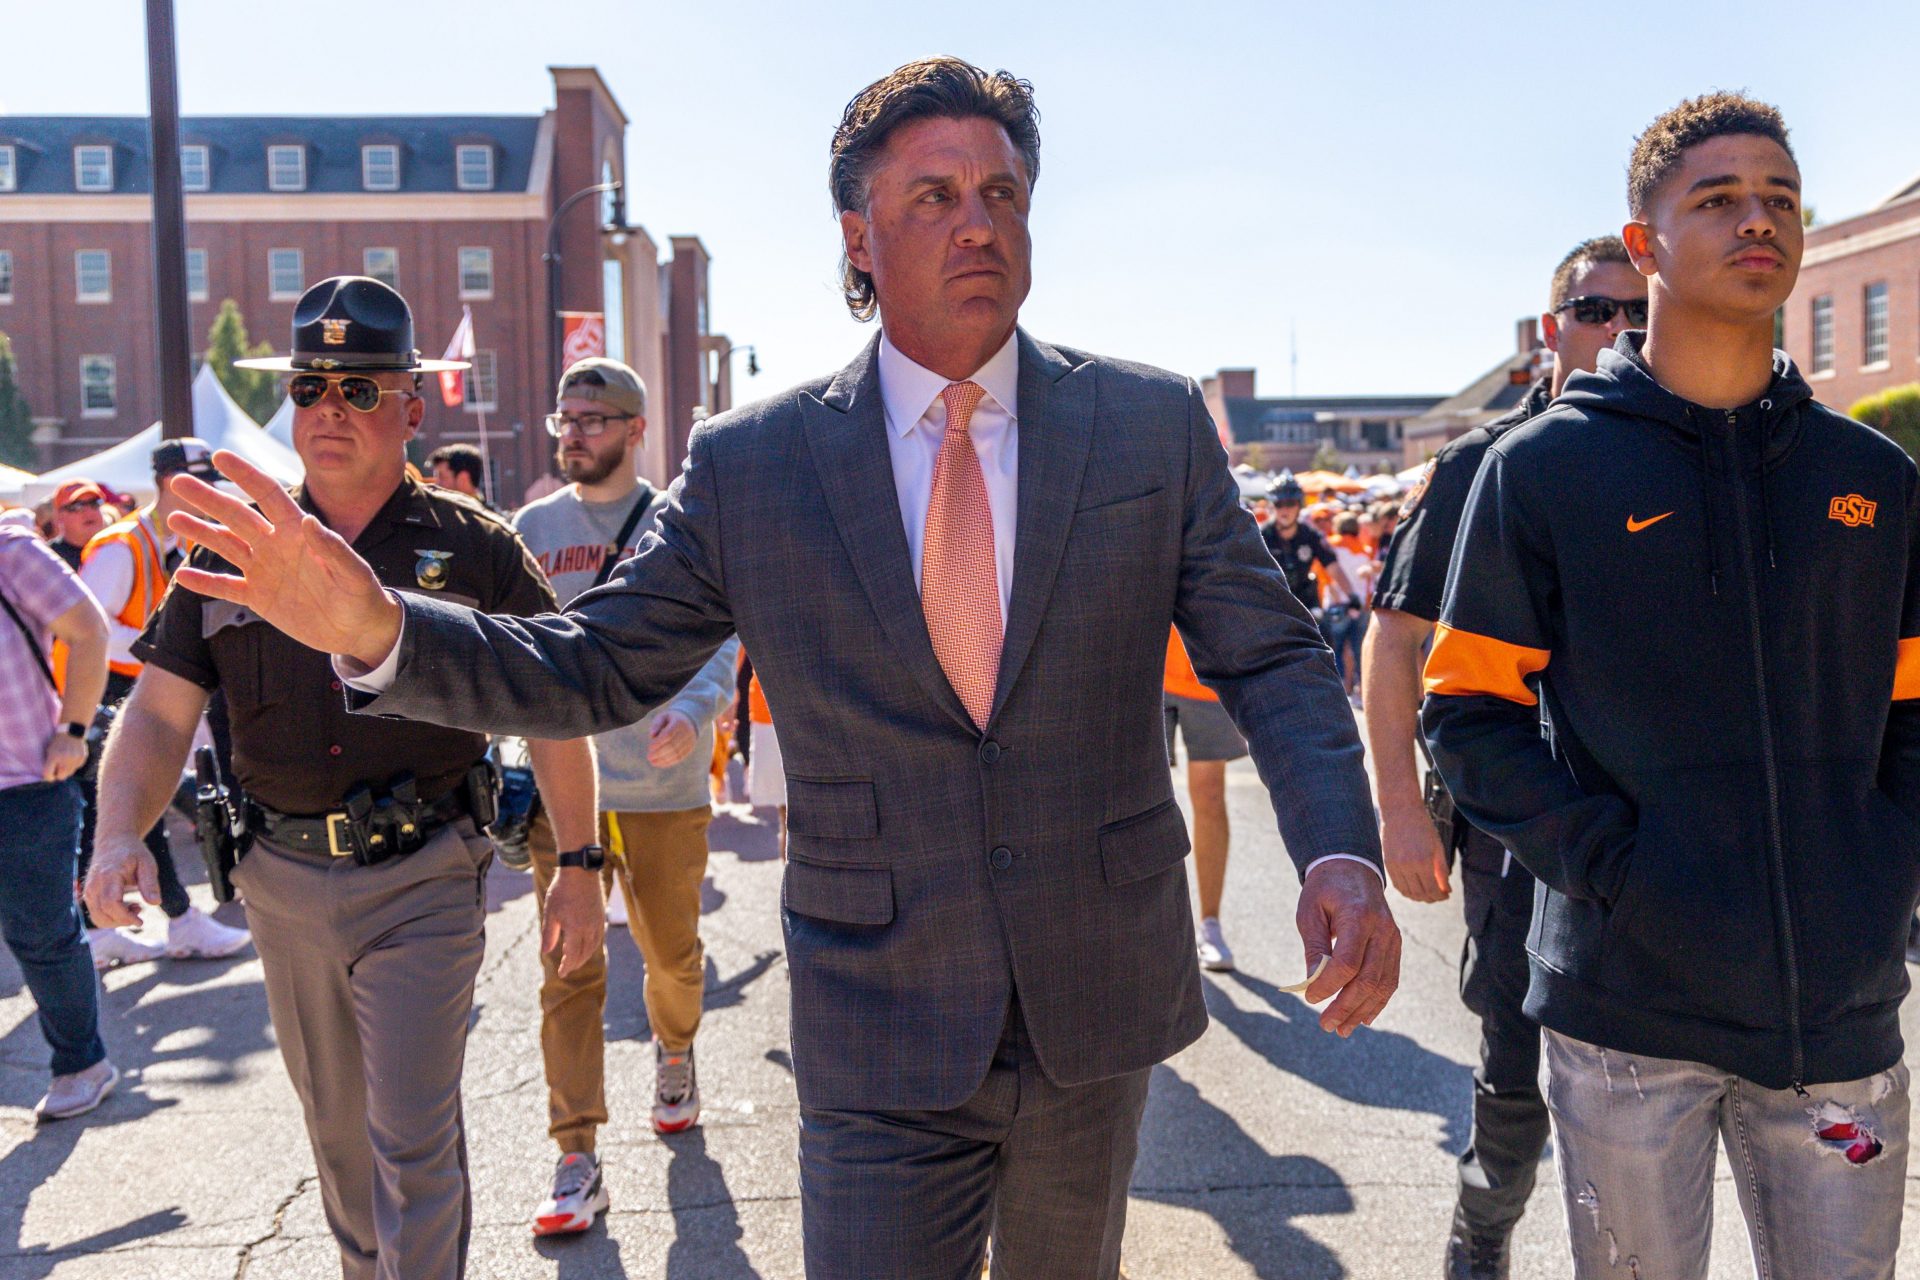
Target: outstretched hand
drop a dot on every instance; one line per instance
(294, 572)
(1343, 913)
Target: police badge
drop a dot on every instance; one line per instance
(430, 570)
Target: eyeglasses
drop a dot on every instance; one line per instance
(81, 505)
(1596, 308)
(361, 393)
(589, 425)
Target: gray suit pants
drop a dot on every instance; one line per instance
(1040, 1169)
(369, 975)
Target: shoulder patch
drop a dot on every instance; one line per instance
(1419, 489)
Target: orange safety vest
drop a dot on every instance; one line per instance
(149, 574)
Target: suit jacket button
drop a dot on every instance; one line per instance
(989, 752)
(1001, 858)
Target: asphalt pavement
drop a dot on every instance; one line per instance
(1270, 1149)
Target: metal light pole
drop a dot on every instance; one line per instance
(170, 315)
(720, 360)
(552, 258)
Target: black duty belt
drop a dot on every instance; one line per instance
(332, 833)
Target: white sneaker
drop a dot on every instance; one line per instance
(676, 1090)
(1215, 955)
(77, 1094)
(579, 1196)
(617, 906)
(112, 948)
(198, 936)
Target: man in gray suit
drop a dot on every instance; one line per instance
(954, 564)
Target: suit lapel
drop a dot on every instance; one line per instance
(1056, 431)
(846, 431)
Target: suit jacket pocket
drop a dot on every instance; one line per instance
(832, 808)
(1144, 845)
(845, 895)
(1109, 516)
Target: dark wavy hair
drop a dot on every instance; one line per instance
(931, 89)
(1657, 152)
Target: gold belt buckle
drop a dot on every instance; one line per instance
(339, 839)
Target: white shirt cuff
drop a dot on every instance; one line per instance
(378, 679)
(1350, 857)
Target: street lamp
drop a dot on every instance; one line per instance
(725, 354)
(552, 258)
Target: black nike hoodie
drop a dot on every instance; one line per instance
(1720, 611)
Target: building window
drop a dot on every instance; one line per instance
(9, 169)
(474, 168)
(286, 168)
(93, 168)
(6, 275)
(196, 275)
(383, 265)
(98, 392)
(195, 174)
(93, 276)
(483, 384)
(286, 274)
(1874, 333)
(1823, 333)
(476, 273)
(380, 168)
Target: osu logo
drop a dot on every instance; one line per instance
(1852, 511)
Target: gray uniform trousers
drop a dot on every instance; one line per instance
(369, 974)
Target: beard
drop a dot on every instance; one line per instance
(591, 469)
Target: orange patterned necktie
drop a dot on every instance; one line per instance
(959, 581)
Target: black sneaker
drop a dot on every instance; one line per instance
(1475, 1257)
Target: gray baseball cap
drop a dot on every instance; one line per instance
(606, 380)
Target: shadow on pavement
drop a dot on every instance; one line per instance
(590, 1255)
(626, 1014)
(1372, 1068)
(1195, 1156)
(751, 835)
(706, 1225)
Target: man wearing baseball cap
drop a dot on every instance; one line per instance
(127, 566)
(79, 512)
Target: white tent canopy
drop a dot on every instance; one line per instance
(280, 425)
(13, 482)
(128, 466)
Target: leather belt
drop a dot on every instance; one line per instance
(327, 832)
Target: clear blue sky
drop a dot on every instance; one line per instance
(1395, 180)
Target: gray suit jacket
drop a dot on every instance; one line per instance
(935, 869)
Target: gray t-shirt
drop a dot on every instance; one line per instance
(571, 539)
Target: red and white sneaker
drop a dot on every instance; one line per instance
(676, 1090)
(579, 1196)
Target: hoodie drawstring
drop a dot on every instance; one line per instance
(1712, 510)
(1766, 508)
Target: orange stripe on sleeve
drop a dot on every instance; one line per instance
(1463, 664)
(1906, 670)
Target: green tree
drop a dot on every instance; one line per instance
(16, 420)
(1894, 413)
(1326, 458)
(255, 390)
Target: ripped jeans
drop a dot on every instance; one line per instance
(1636, 1143)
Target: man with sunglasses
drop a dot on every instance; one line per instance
(654, 799)
(1594, 296)
(78, 513)
(364, 879)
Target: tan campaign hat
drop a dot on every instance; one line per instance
(608, 381)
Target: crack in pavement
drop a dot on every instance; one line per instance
(279, 1222)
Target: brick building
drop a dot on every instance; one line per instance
(1853, 322)
(1487, 397)
(1285, 432)
(454, 211)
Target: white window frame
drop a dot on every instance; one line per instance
(6, 275)
(206, 284)
(460, 264)
(1869, 358)
(9, 168)
(80, 293)
(205, 156)
(483, 384)
(91, 154)
(1820, 334)
(112, 409)
(366, 264)
(460, 156)
(367, 164)
(278, 153)
(274, 290)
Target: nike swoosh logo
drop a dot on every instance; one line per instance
(1635, 526)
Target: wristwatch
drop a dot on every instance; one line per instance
(590, 857)
(74, 729)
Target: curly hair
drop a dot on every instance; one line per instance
(1657, 152)
(930, 89)
(1582, 256)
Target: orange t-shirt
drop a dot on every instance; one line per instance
(1180, 680)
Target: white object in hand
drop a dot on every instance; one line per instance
(1299, 988)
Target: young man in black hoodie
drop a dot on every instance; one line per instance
(1713, 585)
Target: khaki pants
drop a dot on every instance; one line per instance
(369, 976)
(665, 860)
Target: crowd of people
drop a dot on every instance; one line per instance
(1671, 723)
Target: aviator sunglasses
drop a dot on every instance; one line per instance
(361, 393)
(1597, 308)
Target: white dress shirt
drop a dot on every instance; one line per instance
(110, 575)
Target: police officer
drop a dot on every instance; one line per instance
(1297, 546)
(363, 879)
